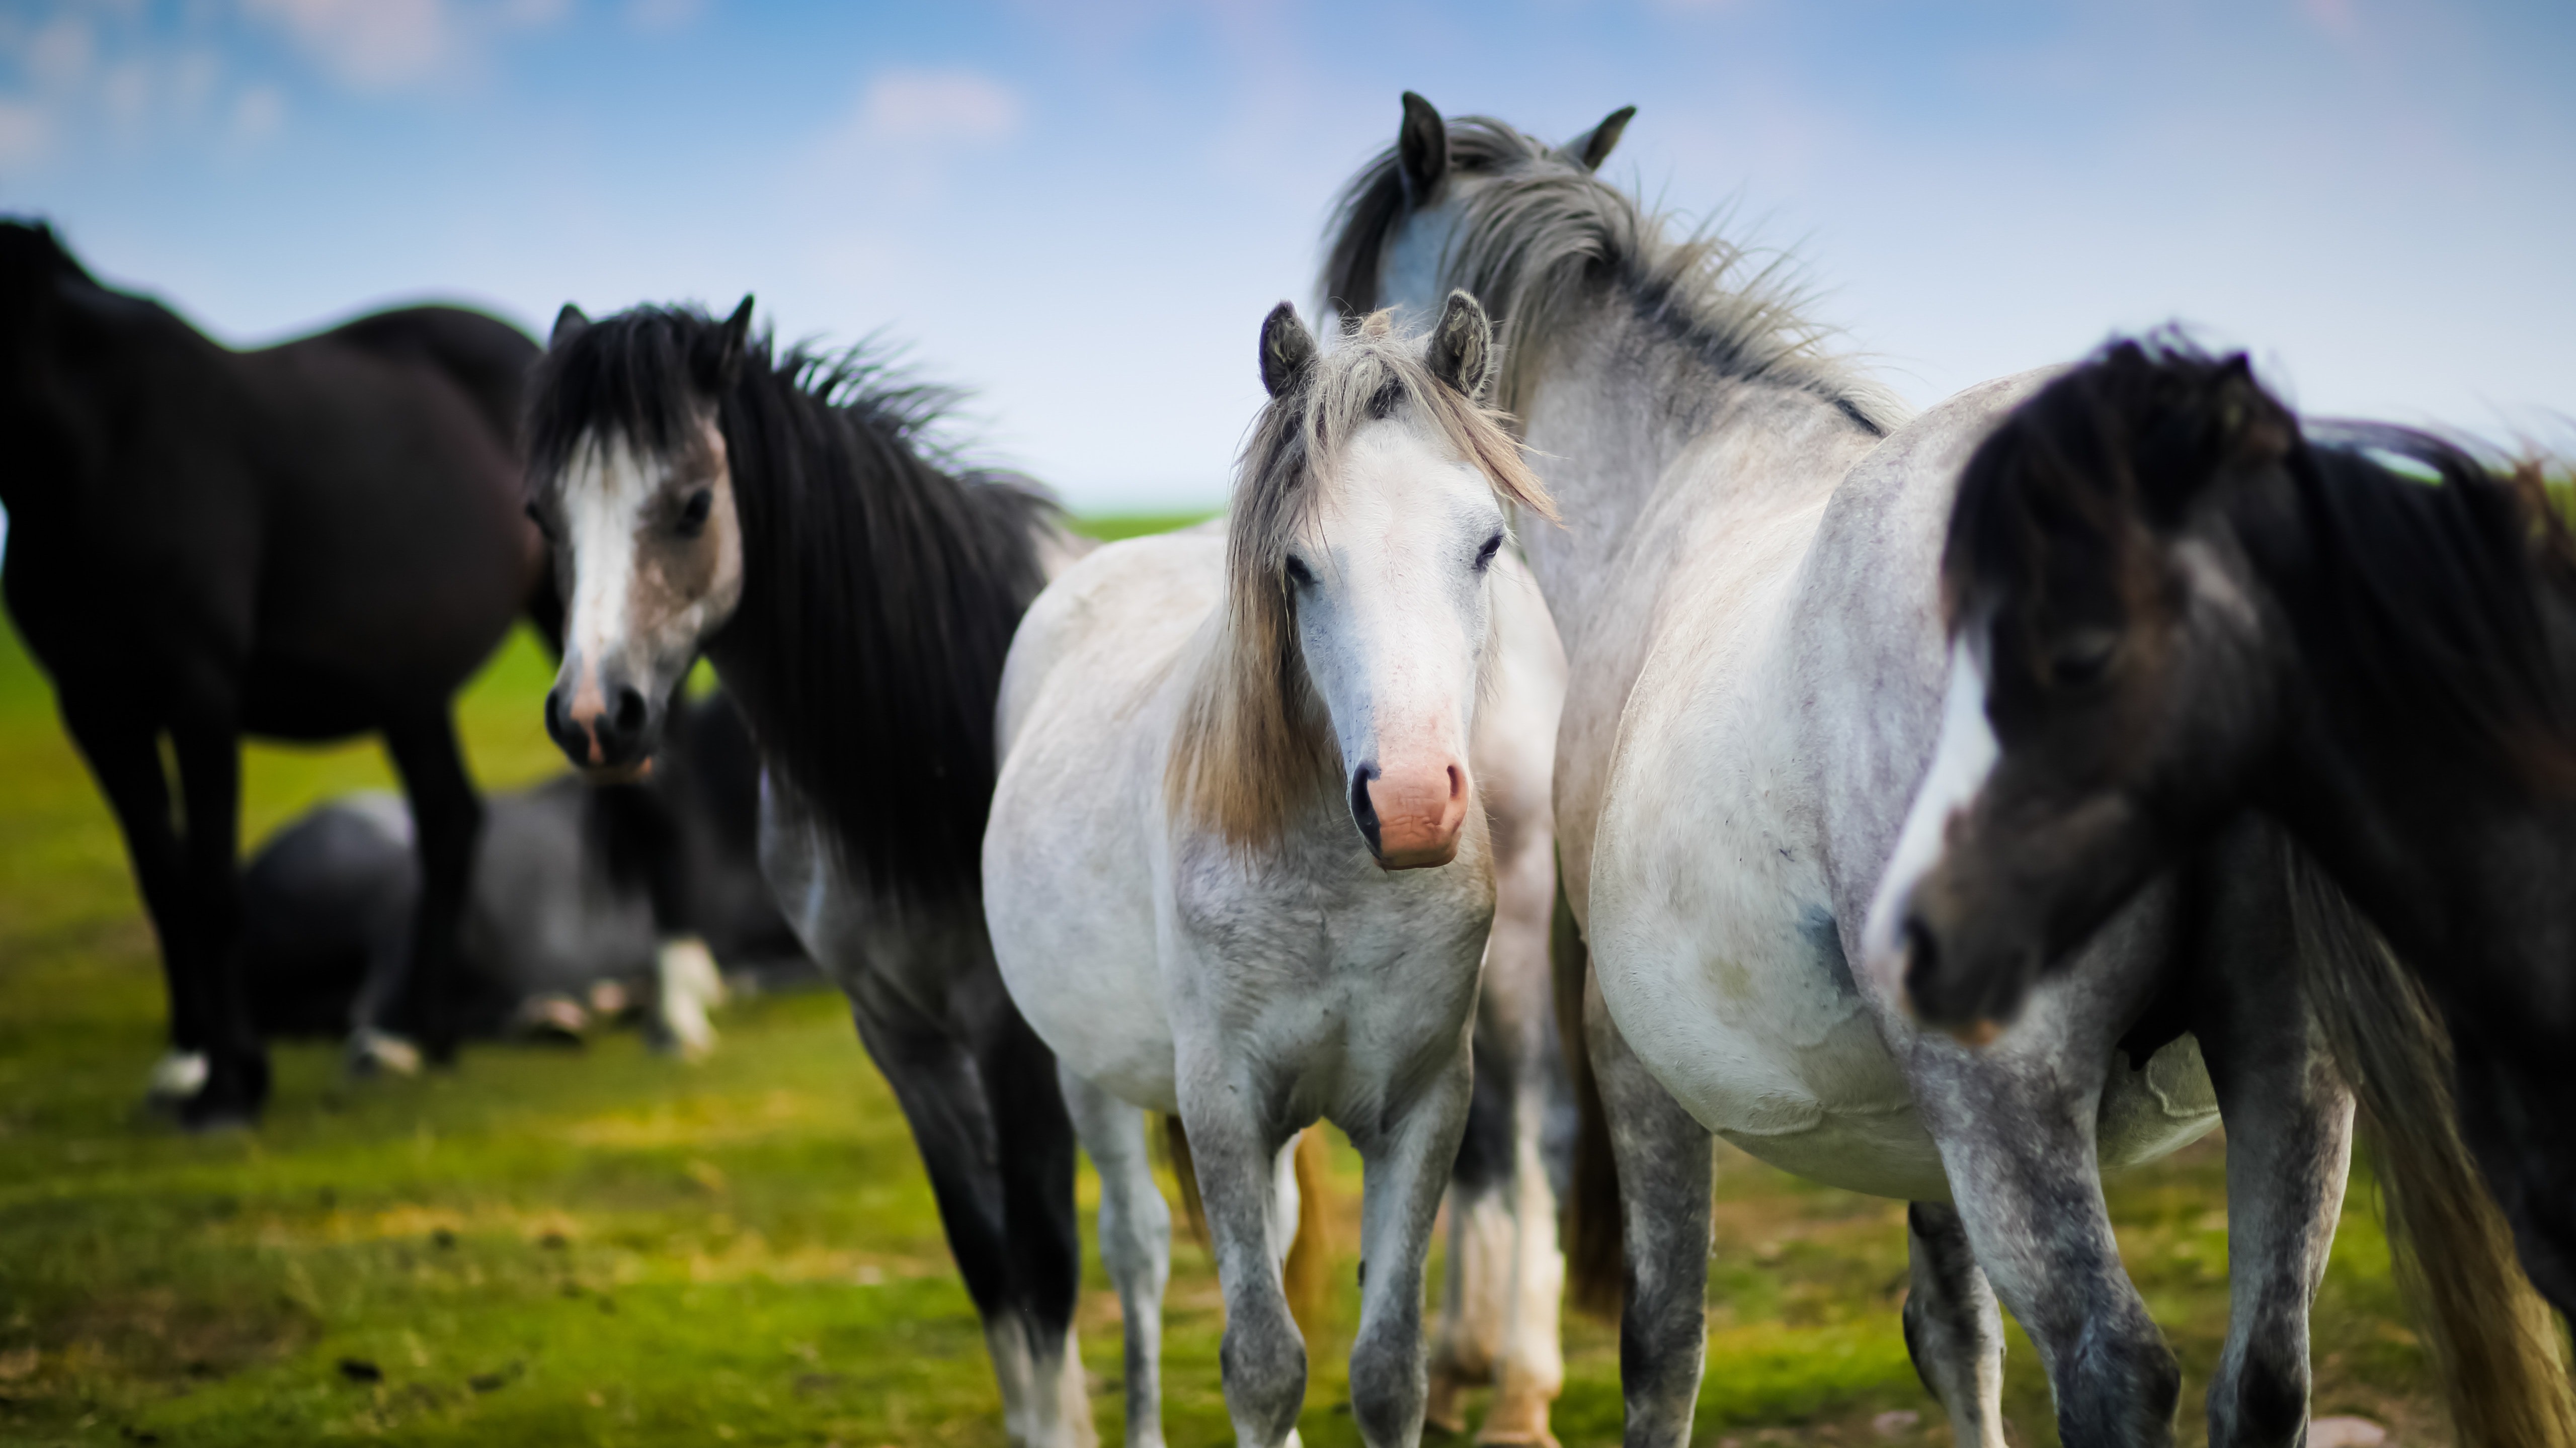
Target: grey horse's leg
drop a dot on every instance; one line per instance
(1952, 1329)
(2289, 1140)
(1408, 1165)
(2015, 1125)
(1235, 1154)
(1135, 1241)
(1665, 1165)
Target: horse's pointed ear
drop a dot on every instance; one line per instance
(569, 323)
(719, 361)
(1421, 150)
(1287, 349)
(1462, 346)
(1593, 147)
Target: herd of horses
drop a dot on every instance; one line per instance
(1604, 721)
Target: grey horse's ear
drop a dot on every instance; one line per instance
(719, 359)
(1287, 349)
(569, 323)
(1462, 346)
(1593, 147)
(1421, 150)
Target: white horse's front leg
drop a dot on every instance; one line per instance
(1407, 1166)
(1262, 1356)
(1135, 1241)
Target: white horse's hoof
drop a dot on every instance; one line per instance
(380, 1053)
(177, 1076)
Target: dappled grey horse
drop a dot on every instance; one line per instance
(1748, 594)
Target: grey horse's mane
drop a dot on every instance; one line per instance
(1548, 231)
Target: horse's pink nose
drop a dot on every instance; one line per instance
(1411, 812)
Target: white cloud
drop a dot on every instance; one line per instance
(366, 44)
(937, 107)
(26, 135)
(258, 114)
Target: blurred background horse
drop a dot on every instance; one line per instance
(303, 542)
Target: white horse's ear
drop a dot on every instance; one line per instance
(1593, 147)
(1287, 349)
(1421, 150)
(719, 358)
(569, 323)
(1462, 346)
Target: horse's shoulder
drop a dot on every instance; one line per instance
(1112, 619)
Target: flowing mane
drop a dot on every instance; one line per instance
(881, 583)
(2407, 566)
(1253, 746)
(1547, 232)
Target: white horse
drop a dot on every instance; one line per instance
(1747, 591)
(1237, 866)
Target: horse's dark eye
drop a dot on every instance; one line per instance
(1485, 555)
(1298, 573)
(2081, 657)
(693, 515)
(539, 518)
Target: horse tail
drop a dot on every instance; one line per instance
(1308, 1273)
(2493, 1340)
(1595, 1254)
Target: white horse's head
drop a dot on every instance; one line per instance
(630, 479)
(1370, 511)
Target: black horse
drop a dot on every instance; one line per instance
(303, 542)
(2177, 603)
(786, 516)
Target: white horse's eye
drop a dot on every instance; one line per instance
(1485, 555)
(1298, 573)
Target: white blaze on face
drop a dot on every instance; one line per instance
(1962, 758)
(1394, 628)
(605, 489)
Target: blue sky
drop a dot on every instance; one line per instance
(1082, 211)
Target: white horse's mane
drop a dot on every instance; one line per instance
(1546, 230)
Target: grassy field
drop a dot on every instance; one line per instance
(608, 1247)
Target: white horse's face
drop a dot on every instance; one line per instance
(1393, 610)
(648, 552)
(1411, 279)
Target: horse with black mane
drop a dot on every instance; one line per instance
(302, 542)
(787, 515)
(2170, 603)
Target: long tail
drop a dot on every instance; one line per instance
(2493, 1339)
(1595, 1252)
(1307, 1275)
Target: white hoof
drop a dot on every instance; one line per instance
(688, 986)
(177, 1076)
(379, 1053)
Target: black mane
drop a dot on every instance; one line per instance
(881, 586)
(2405, 563)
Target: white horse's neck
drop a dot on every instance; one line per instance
(1624, 420)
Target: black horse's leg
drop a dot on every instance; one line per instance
(939, 1084)
(1035, 1132)
(236, 1065)
(2289, 1139)
(446, 819)
(124, 754)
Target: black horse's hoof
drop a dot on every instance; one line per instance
(235, 1091)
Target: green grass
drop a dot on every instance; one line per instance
(607, 1247)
